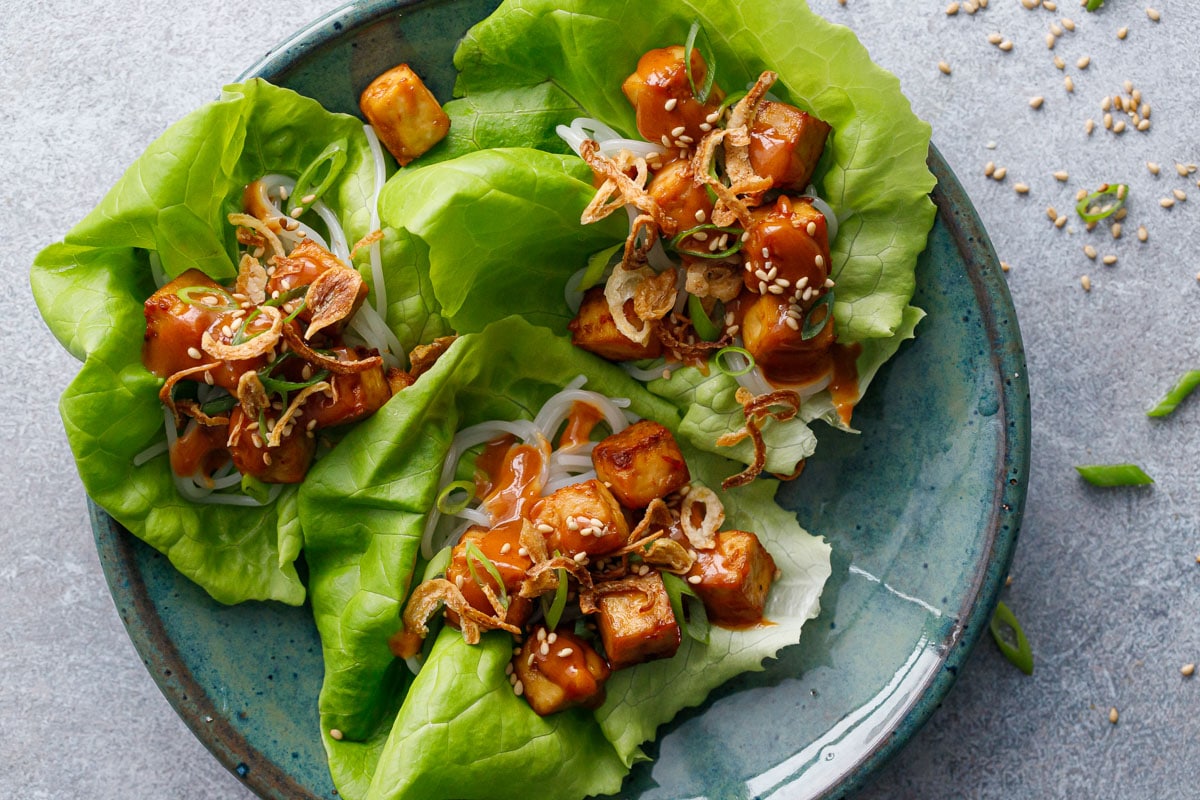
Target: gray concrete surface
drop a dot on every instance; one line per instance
(1106, 582)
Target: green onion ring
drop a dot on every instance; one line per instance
(1106, 475)
(597, 263)
(443, 499)
(1011, 639)
(705, 328)
(554, 613)
(290, 294)
(474, 556)
(253, 487)
(188, 294)
(437, 565)
(1179, 392)
(811, 328)
(1088, 209)
(719, 364)
(335, 156)
(696, 622)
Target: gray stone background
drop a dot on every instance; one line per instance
(1106, 583)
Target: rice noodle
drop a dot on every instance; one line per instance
(291, 236)
(831, 220)
(376, 258)
(611, 143)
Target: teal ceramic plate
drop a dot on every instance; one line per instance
(922, 511)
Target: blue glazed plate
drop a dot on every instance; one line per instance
(922, 511)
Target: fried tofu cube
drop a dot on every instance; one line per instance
(404, 113)
(662, 97)
(734, 578)
(594, 330)
(786, 144)
(286, 463)
(558, 670)
(582, 518)
(781, 351)
(640, 464)
(354, 396)
(637, 623)
(502, 547)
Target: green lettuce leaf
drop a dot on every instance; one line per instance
(91, 287)
(363, 510)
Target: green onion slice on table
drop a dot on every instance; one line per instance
(1114, 475)
(1182, 388)
(1102, 203)
(1011, 639)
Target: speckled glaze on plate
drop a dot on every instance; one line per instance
(922, 511)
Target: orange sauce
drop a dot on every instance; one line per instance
(201, 448)
(512, 476)
(843, 388)
(582, 419)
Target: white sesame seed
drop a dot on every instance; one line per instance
(670, 104)
(519, 688)
(1153, 14)
(1059, 63)
(989, 169)
(1036, 101)
(694, 579)
(194, 353)
(995, 38)
(1109, 260)
(1068, 23)
(811, 228)
(1006, 45)
(1180, 194)
(1122, 33)
(1142, 233)
(944, 67)
(1167, 202)
(1021, 188)
(1061, 176)
(952, 9)
(335, 734)
(700, 215)
(679, 131)
(1083, 62)
(791, 322)
(566, 651)
(1086, 283)
(1089, 251)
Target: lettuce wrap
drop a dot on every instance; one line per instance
(90, 288)
(534, 64)
(456, 729)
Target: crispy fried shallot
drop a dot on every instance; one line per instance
(423, 356)
(291, 333)
(657, 515)
(654, 296)
(622, 285)
(332, 297)
(668, 555)
(368, 240)
(261, 228)
(164, 394)
(285, 419)
(542, 578)
(192, 409)
(701, 516)
(781, 406)
(627, 190)
(258, 344)
(251, 394)
(430, 595)
(714, 279)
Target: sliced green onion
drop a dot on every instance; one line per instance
(1092, 5)
(191, 295)
(219, 406)
(718, 361)
(1102, 203)
(596, 265)
(554, 613)
(730, 101)
(1114, 475)
(253, 487)
(239, 336)
(1011, 639)
(695, 623)
(262, 425)
(698, 39)
(476, 556)
(813, 326)
(706, 329)
(437, 565)
(1178, 393)
(443, 499)
(333, 156)
(736, 233)
(298, 310)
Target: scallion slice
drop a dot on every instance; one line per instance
(333, 158)
(437, 565)
(253, 487)
(444, 504)
(219, 406)
(1114, 475)
(815, 322)
(724, 352)
(1011, 639)
(1182, 388)
(192, 295)
(596, 265)
(705, 328)
(697, 39)
(1102, 203)
(476, 556)
(679, 238)
(559, 604)
(1092, 5)
(290, 294)
(695, 623)
(239, 336)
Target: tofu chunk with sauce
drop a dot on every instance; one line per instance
(582, 518)
(559, 670)
(663, 100)
(502, 547)
(286, 463)
(594, 330)
(640, 464)
(786, 144)
(735, 577)
(780, 350)
(636, 623)
(354, 395)
(404, 113)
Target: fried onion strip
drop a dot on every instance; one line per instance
(164, 394)
(782, 405)
(252, 279)
(431, 594)
(259, 344)
(261, 228)
(332, 296)
(542, 578)
(702, 534)
(291, 333)
(285, 419)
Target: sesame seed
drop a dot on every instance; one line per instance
(194, 353)
(505, 548)
(1122, 33)
(1000, 173)
(1167, 202)
(951, 9)
(1069, 24)
(1119, 126)
(267, 459)
(1029, 4)
(1142, 233)
(1113, 716)
(1005, 266)
(791, 323)
(1056, 29)
(518, 688)
(694, 579)
(670, 104)
(828, 283)
(1050, 40)
(566, 651)
(1058, 62)
(1143, 125)
(704, 126)
(1061, 221)
(995, 38)
(713, 117)
(1021, 188)
(1051, 213)
(944, 67)
(1153, 14)
(989, 169)
(1109, 260)
(1061, 176)
(541, 634)
(1006, 45)
(1089, 251)
(297, 211)
(335, 734)
(521, 551)
(1116, 230)
(1180, 194)
(1089, 126)
(1181, 169)
(1083, 62)
(552, 638)
(581, 557)
(1086, 283)
(1187, 670)
(1068, 84)
(1049, 5)
(679, 131)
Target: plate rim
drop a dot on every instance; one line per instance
(954, 209)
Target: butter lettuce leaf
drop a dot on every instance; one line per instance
(90, 288)
(363, 510)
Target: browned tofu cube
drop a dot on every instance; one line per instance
(637, 624)
(682, 199)
(640, 464)
(786, 144)
(594, 330)
(406, 116)
(558, 670)
(582, 518)
(286, 463)
(661, 78)
(734, 579)
(356, 395)
(502, 547)
(301, 267)
(780, 350)
(790, 239)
